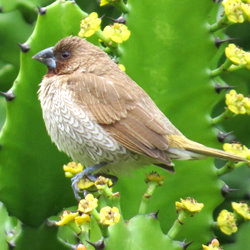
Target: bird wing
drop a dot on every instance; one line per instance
(124, 110)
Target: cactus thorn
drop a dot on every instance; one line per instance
(218, 41)
(11, 245)
(221, 136)
(154, 214)
(120, 19)
(218, 87)
(9, 95)
(98, 245)
(185, 245)
(42, 10)
(226, 189)
(24, 47)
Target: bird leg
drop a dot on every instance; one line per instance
(87, 172)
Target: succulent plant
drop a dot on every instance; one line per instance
(176, 52)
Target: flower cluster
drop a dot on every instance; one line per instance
(189, 204)
(109, 216)
(117, 33)
(242, 209)
(90, 25)
(86, 208)
(237, 55)
(227, 220)
(88, 204)
(82, 215)
(72, 168)
(154, 177)
(237, 149)
(237, 103)
(101, 183)
(213, 245)
(237, 11)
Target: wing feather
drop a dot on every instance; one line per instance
(125, 111)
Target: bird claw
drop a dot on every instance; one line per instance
(74, 182)
(85, 173)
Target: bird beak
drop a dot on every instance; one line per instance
(47, 57)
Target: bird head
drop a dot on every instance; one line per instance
(70, 54)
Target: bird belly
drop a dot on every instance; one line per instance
(76, 134)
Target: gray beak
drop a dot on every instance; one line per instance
(47, 57)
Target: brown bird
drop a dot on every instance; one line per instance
(100, 117)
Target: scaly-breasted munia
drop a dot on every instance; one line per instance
(100, 117)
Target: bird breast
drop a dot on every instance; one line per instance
(72, 127)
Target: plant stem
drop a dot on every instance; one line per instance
(177, 225)
(225, 115)
(225, 169)
(224, 67)
(235, 67)
(147, 195)
(230, 166)
(95, 214)
(222, 23)
(100, 35)
(120, 5)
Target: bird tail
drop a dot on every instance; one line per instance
(200, 150)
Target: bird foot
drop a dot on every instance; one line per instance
(87, 172)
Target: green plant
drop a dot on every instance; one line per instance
(171, 53)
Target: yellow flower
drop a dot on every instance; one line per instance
(246, 10)
(235, 54)
(154, 177)
(88, 204)
(81, 219)
(66, 217)
(101, 182)
(117, 33)
(233, 10)
(242, 209)
(85, 183)
(214, 245)
(105, 2)
(72, 168)
(190, 204)
(122, 67)
(90, 25)
(247, 59)
(237, 149)
(238, 56)
(227, 222)
(237, 103)
(109, 216)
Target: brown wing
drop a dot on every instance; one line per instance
(125, 111)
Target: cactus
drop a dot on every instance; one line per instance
(171, 54)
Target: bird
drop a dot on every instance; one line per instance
(101, 118)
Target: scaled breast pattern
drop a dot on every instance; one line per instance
(72, 130)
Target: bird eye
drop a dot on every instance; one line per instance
(66, 55)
